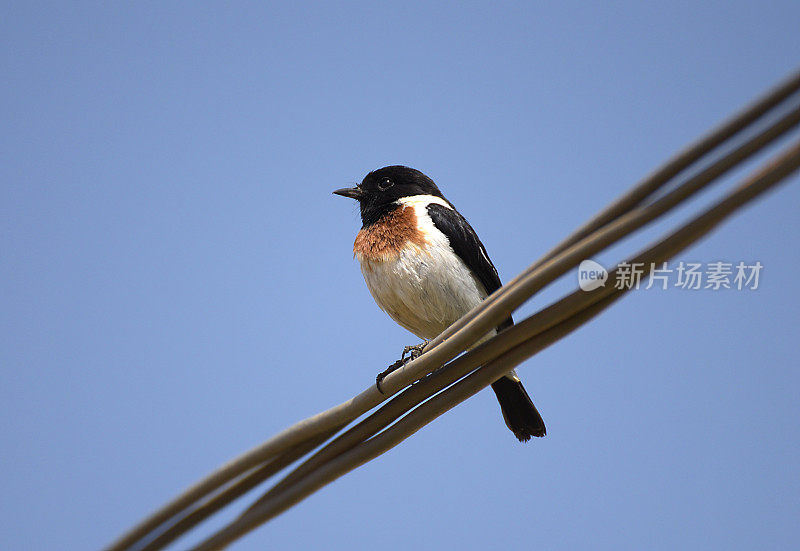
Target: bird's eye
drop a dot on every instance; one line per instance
(385, 184)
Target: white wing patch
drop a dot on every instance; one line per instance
(420, 205)
(423, 201)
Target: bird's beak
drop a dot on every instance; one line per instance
(351, 192)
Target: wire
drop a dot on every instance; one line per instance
(627, 214)
(275, 503)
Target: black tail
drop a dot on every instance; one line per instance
(518, 410)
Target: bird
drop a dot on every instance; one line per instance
(426, 267)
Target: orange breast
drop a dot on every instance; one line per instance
(385, 239)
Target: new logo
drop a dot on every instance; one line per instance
(591, 275)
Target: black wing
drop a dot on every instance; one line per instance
(467, 246)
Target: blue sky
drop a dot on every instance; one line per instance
(178, 283)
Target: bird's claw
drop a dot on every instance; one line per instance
(413, 353)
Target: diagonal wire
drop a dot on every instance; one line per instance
(462, 334)
(539, 322)
(213, 503)
(543, 320)
(584, 248)
(613, 233)
(760, 182)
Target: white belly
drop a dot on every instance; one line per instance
(424, 289)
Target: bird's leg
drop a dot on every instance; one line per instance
(413, 352)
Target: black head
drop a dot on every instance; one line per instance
(378, 193)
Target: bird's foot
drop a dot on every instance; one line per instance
(413, 353)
